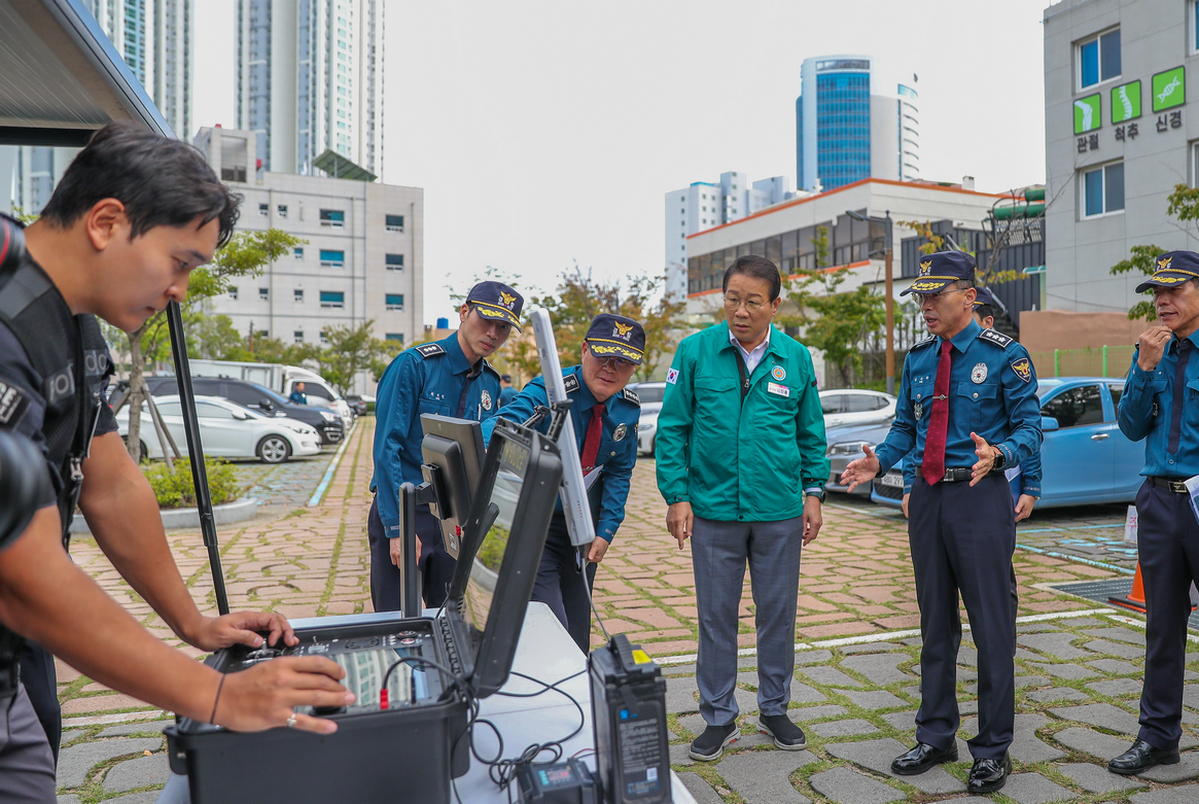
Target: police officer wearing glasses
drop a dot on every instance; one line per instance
(1160, 405)
(968, 404)
(604, 414)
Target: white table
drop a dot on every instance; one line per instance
(545, 652)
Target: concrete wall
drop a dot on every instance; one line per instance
(1046, 330)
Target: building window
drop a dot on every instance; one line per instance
(282, 210)
(333, 217)
(334, 299)
(264, 210)
(298, 295)
(1099, 59)
(233, 292)
(1103, 190)
(395, 336)
(264, 294)
(299, 253)
(324, 336)
(395, 262)
(395, 223)
(395, 301)
(333, 259)
(298, 336)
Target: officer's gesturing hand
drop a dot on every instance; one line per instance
(861, 470)
(986, 459)
(265, 696)
(239, 627)
(1152, 345)
(679, 520)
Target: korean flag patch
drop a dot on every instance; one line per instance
(672, 375)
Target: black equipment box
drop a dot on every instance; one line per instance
(407, 752)
(628, 708)
(568, 782)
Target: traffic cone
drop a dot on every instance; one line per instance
(1136, 598)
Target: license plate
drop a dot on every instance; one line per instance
(893, 479)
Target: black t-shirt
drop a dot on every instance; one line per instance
(27, 401)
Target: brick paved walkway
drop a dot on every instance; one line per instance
(856, 686)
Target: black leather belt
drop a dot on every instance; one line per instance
(956, 474)
(1176, 486)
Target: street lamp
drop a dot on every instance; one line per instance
(885, 221)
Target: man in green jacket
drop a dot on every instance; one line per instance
(741, 462)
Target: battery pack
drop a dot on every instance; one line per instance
(567, 782)
(628, 708)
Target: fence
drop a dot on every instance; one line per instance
(1101, 361)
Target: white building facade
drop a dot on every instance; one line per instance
(363, 259)
(310, 79)
(702, 205)
(1121, 131)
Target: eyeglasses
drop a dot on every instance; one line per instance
(616, 363)
(731, 303)
(940, 294)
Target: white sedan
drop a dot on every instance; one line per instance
(843, 406)
(227, 430)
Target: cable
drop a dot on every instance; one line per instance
(590, 599)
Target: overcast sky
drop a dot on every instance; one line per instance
(546, 133)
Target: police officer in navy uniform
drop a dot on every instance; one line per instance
(450, 377)
(604, 414)
(968, 405)
(1161, 405)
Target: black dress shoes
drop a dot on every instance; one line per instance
(988, 775)
(1141, 757)
(922, 758)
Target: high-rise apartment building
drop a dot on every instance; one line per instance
(310, 79)
(849, 126)
(156, 39)
(702, 205)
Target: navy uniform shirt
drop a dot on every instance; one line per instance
(432, 378)
(992, 392)
(1030, 474)
(1147, 405)
(618, 444)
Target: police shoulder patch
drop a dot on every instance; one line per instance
(13, 403)
(571, 381)
(926, 342)
(996, 337)
(1023, 368)
(631, 396)
(430, 349)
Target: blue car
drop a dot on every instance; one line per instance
(1084, 457)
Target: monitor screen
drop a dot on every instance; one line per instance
(500, 551)
(455, 447)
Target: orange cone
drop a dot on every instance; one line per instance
(1136, 598)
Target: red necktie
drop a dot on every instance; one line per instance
(933, 467)
(591, 443)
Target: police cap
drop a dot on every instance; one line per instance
(1173, 268)
(497, 302)
(939, 270)
(616, 336)
(984, 297)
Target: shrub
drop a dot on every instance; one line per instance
(177, 490)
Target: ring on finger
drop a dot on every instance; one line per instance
(291, 720)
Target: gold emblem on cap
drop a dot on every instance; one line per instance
(1164, 263)
(926, 266)
(507, 299)
(621, 330)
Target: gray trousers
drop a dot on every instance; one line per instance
(26, 764)
(719, 553)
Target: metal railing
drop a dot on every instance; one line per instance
(1099, 361)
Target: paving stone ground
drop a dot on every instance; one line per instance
(856, 686)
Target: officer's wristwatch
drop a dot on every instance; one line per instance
(820, 494)
(1000, 460)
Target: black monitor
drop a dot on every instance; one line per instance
(500, 550)
(455, 448)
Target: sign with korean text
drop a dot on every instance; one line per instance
(1088, 113)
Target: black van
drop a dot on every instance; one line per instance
(257, 397)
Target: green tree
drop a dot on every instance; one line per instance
(351, 349)
(1182, 204)
(246, 254)
(835, 321)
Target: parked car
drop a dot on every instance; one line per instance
(855, 406)
(256, 397)
(1084, 458)
(650, 394)
(360, 405)
(227, 430)
(845, 444)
